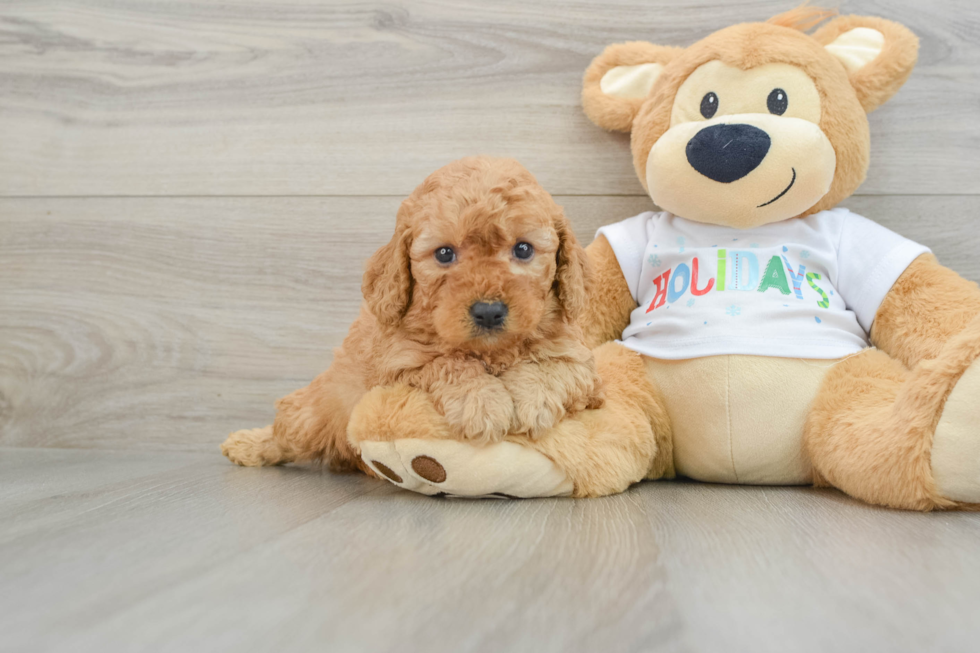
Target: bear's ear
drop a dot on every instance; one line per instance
(878, 55)
(619, 80)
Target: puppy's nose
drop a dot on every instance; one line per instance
(726, 153)
(488, 315)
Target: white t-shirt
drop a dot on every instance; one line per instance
(802, 288)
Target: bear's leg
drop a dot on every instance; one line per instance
(401, 436)
(901, 438)
(310, 424)
(629, 439)
(591, 453)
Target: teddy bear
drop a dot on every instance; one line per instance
(751, 331)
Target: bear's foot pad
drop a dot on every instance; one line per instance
(956, 445)
(505, 470)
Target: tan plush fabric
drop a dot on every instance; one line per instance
(871, 427)
(632, 82)
(454, 468)
(956, 444)
(607, 313)
(857, 48)
(740, 419)
(927, 306)
(611, 111)
(877, 81)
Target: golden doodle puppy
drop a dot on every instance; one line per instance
(474, 300)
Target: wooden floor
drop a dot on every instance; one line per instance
(187, 193)
(123, 551)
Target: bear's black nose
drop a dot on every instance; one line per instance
(726, 153)
(488, 315)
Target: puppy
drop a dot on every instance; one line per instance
(474, 301)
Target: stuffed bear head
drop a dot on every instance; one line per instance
(757, 123)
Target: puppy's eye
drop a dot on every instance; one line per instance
(709, 105)
(445, 255)
(778, 102)
(524, 251)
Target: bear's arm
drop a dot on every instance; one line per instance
(927, 306)
(610, 303)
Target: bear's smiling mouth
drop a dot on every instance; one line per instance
(781, 194)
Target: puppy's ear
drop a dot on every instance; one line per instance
(619, 80)
(387, 284)
(574, 274)
(879, 55)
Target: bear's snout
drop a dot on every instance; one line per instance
(727, 153)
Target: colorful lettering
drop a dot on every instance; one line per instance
(797, 278)
(825, 302)
(779, 274)
(743, 262)
(694, 282)
(775, 277)
(682, 272)
(662, 287)
(722, 269)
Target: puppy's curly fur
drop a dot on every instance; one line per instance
(416, 327)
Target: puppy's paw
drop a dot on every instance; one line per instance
(544, 393)
(592, 397)
(596, 401)
(252, 448)
(483, 414)
(536, 410)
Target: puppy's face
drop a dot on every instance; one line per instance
(482, 258)
(486, 273)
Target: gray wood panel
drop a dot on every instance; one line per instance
(254, 97)
(166, 323)
(205, 556)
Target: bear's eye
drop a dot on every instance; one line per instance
(709, 105)
(445, 255)
(523, 251)
(778, 102)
